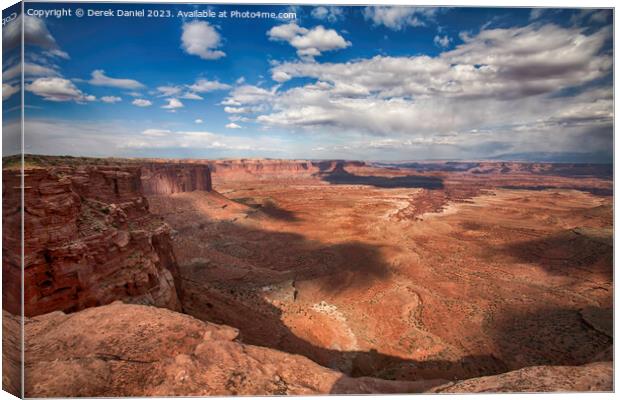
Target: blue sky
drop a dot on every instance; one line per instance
(373, 83)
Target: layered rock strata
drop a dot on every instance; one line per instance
(168, 178)
(89, 239)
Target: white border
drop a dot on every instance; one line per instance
(462, 3)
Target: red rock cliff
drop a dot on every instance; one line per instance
(169, 178)
(11, 240)
(89, 239)
(259, 169)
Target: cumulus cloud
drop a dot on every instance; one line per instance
(179, 92)
(496, 63)
(198, 121)
(249, 94)
(442, 41)
(399, 17)
(238, 118)
(30, 70)
(190, 96)
(202, 40)
(167, 91)
(58, 89)
(237, 110)
(205, 85)
(111, 99)
(500, 90)
(9, 90)
(142, 103)
(309, 43)
(172, 104)
(591, 16)
(35, 33)
(99, 78)
(232, 125)
(328, 13)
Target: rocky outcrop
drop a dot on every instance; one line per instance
(11, 354)
(169, 178)
(89, 239)
(131, 350)
(11, 239)
(593, 377)
(263, 169)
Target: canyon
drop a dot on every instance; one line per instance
(254, 277)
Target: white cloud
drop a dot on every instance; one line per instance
(167, 91)
(399, 17)
(57, 53)
(30, 70)
(156, 132)
(190, 96)
(124, 139)
(536, 13)
(177, 91)
(205, 85)
(248, 94)
(198, 121)
(111, 99)
(328, 13)
(600, 16)
(280, 76)
(502, 89)
(497, 63)
(589, 16)
(100, 79)
(35, 33)
(232, 125)
(238, 118)
(309, 43)
(142, 103)
(442, 41)
(204, 140)
(58, 89)
(237, 110)
(9, 90)
(172, 104)
(202, 40)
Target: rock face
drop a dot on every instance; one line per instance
(11, 354)
(246, 169)
(593, 377)
(11, 240)
(163, 179)
(89, 240)
(132, 350)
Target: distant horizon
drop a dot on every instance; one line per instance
(376, 161)
(387, 83)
